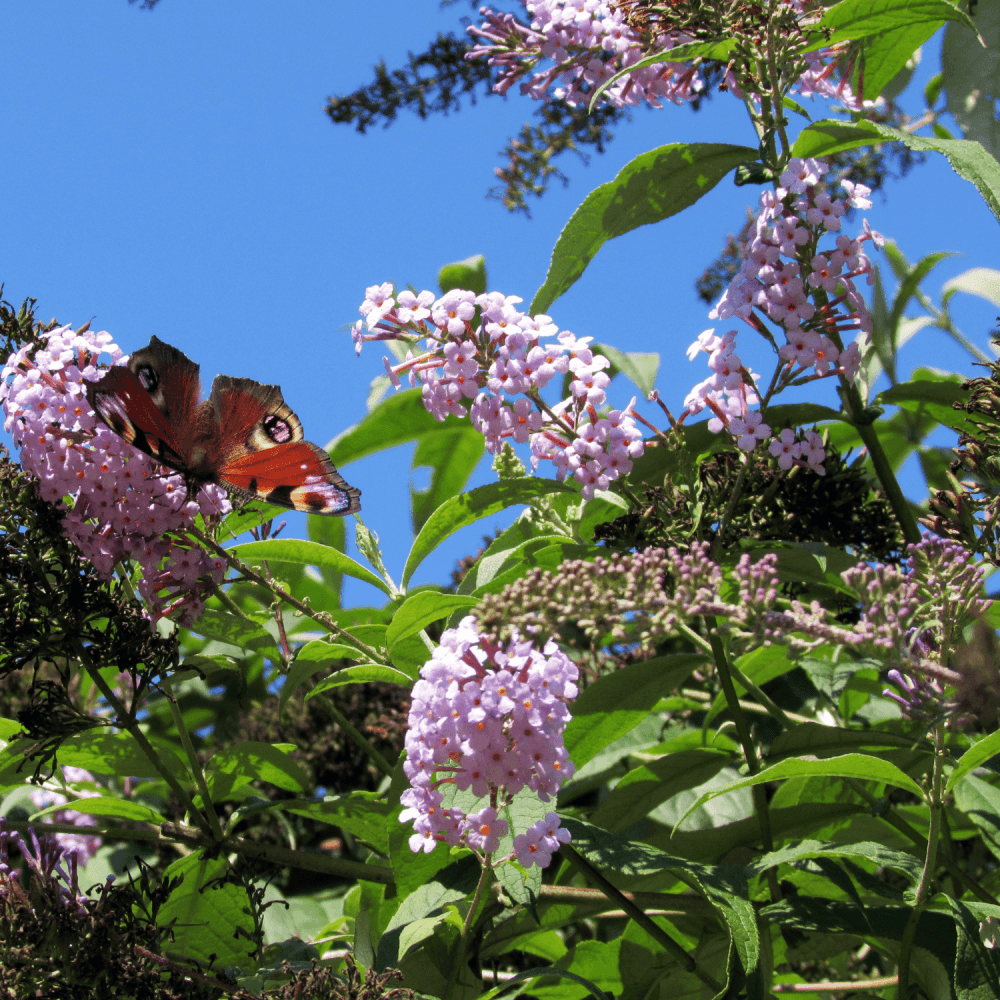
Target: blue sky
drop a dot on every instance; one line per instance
(172, 173)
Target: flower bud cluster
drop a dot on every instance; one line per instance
(921, 609)
(482, 350)
(488, 718)
(119, 503)
(908, 616)
(809, 292)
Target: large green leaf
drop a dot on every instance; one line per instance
(397, 419)
(887, 54)
(236, 631)
(467, 508)
(852, 765)
(638, 366)
(305, 553)
(363, 673)
(877, 853)
(362, 814)
(724, 886)
(974, 757)
(652, 187)
(106, 805)
(855, 19)
(205, 917)
(250, 760)
(617, 702)
(643, 788)
(331, 532)
(118, 754)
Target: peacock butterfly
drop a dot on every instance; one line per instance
(243, 437)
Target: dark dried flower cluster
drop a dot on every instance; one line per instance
(324, 984)
(843, 508)
(57, 942)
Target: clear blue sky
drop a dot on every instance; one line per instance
(171, 172)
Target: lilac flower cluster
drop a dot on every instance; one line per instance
(488, 718)
(81, 845)
(587, 42)
(120, 503)
(500, 357)
(809, 294)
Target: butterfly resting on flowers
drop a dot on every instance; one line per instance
(244, 437)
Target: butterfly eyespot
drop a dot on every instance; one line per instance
(276, 428)
(148, 377)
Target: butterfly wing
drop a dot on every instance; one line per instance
(151, 402)
(263, 454)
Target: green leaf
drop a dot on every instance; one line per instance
(397, 419)
(250, 760)
(855, 19)
(468, 274)
(652, 187)
(815, 740)
(449, 885)
(467, 508)
(204, 918)
(362, 814)
(453, 454)
(876, 853)
(910, 285)
(977, 968)
(617, 702)
(9, 728)
(968, 159)
(305, 553)
(118, 754)
(363, 673)
(244, 518)
(974, 757)
(852, 765)
(106, 805)
(981, 281)
(521, 884)
(724, 886)
(887, 65)
(932, 394)
(800, 414)
(420, 610)
(236, 631)
(643, 788)
(980, 801)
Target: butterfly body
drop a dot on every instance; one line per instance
(244, 437)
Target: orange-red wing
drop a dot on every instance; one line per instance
(299, 475)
